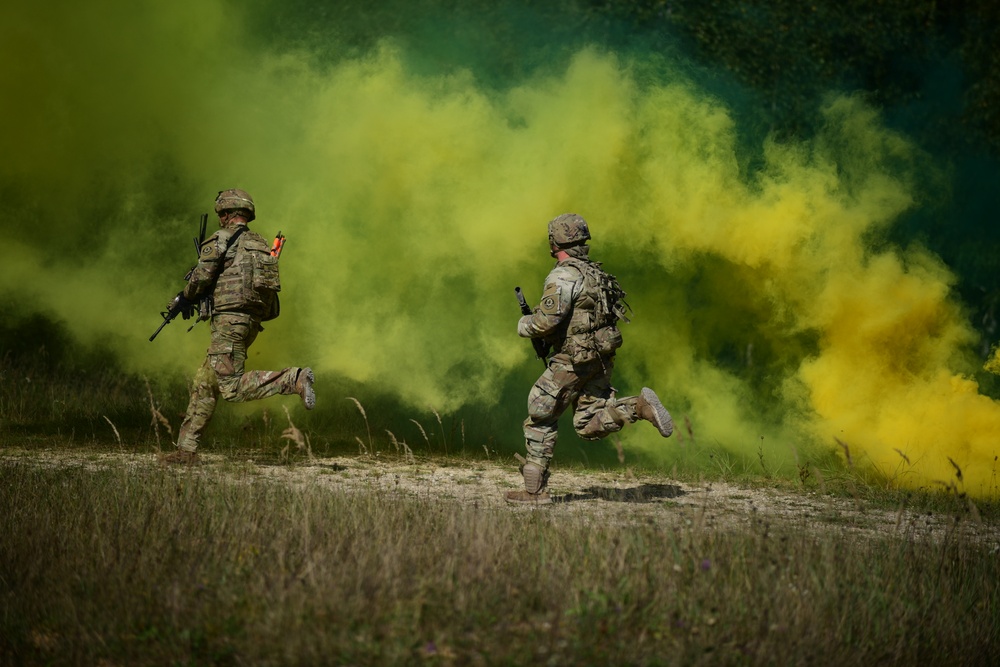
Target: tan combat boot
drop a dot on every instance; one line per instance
(648, 407)
(181, 457)
(304, 388)
(535, 480)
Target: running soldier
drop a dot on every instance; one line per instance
(235, 285)
(578, 316)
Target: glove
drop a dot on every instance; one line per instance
(524, 326)
(181, 304)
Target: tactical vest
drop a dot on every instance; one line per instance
(592, 327)
(249, 283)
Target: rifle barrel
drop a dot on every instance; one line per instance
(165, 322)
(525, 309)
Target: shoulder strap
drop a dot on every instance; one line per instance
(222, 258)
(232, 240)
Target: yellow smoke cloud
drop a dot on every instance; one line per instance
(414, 204)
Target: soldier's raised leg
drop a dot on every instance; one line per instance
(599, 412)
(232, 335)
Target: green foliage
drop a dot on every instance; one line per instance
(53, 387)
(789, 52)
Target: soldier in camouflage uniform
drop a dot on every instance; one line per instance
(236, 286)
(577, 316)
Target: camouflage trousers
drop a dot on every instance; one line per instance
(222, 374)
(597, 412)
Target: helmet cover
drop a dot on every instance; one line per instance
(568, 230)
(235, 199)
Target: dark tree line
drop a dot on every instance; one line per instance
(893, 50)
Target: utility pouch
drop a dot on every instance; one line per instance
(580, 348)
(607, 339)
(205, 308)
(265, 267)
(273, 311)
(220, 345)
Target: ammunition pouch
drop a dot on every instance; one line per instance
(205, 308)
(579, 348)
(607, 340)
(584, 347)
(273, 311)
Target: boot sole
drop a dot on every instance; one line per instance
(309, 394)
(173, 460)
(543, 500)
(664, 423)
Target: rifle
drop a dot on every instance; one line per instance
(541, 347)
(180, 305)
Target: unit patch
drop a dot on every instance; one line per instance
(550, 300)
(210, 249)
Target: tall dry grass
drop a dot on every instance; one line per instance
(126, 565)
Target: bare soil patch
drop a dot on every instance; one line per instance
(622, 496)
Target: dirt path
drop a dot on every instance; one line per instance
(589, 495)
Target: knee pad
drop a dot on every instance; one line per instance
(536, 478)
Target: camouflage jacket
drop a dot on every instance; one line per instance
(578, 312)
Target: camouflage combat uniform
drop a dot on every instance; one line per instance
(580, 307)
(240, 279)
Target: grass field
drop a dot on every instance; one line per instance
(274, 552)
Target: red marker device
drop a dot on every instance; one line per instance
(277, 245)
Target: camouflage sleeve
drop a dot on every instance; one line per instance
(208, 268)
(561, 287)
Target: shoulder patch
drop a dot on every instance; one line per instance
(550, 304)
(210, 248)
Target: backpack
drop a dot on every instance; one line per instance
(251, 283)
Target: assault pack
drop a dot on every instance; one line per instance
(251, 283)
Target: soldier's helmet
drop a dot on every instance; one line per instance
(235, 199)
(568, 230)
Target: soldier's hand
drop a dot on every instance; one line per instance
(524, 326)
(181, 304)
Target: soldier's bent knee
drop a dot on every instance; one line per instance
(542, 408)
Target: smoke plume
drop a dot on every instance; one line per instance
(766, 308)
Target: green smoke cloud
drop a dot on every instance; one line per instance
(414, 202)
